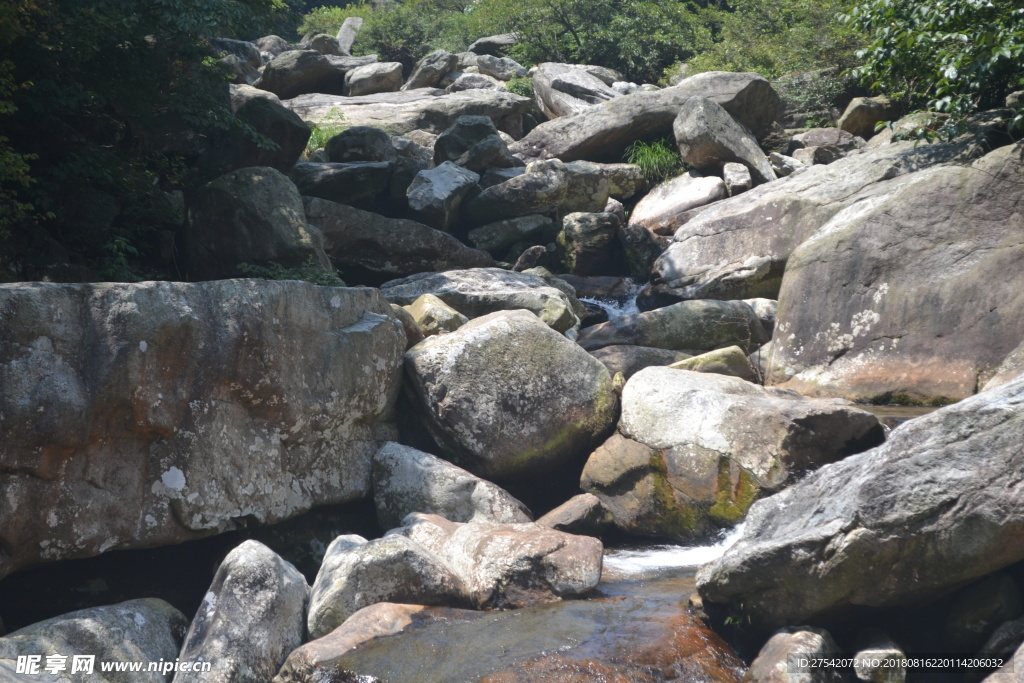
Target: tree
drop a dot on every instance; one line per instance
(953, 56)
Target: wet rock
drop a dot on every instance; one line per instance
(430, 70)
(371, 248)
(660, 210)
(708, 138)
(480, 291)
(297, 72)
(773, 662)
(373, 78)
(584, 514)
(357, 573)
(172, 470)
(251, 215)
(489, 395)
(603, 133)
(894, 298)
(147, 630)
(509, 565)
(698, 325)
(250, 619)
(585, 242)
(928, 510)
(472, 142)
(435, 195)
(630, 360)
(731, 361)
(406, 480)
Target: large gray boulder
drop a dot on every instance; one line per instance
(371, 248)
(373, 78)
(895, 299)
(326, 45)
(588, 189)
(480, 291)
(624, 180)
(494, 45)
(431, 69)
(603, 133)
(662, 208)
(696, 449)
(498, 236)
(510, 565)
(777, 662)
(147, 630)
(435, 195)
(473, 143)
(250, 215)
(406, 480)
(360, 143)
(542, 189)
(708, 138)
(506, 396)
(240, 57)
(863, 113)
(501, 68)
(688, 325)
(568, 89)
(585, 242)
(771, 220)
(935, 507)
(361, 184)
(348, 32)
(630, 359)
(425, 109)
(252, 616)
(357, 573)
(156, 449)
(297, 72)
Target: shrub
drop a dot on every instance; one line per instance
(658, 159)
(329, 19)
(320, 133)
(521, 86)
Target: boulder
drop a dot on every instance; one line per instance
(472, 142)
(357, 573)
(681, 478)
(147, 630)
(731, 361)
(585, 242)
(297, 72)
(509, 565)
(497, 237)
(826, 137)
(406, 480)
(977, 610)
(496, 176)
(360, 143)
(506, 396)
(435, 195)
(568, 89)
(274, 45)
(588, 188)
(894, 299)
(348, 33)
(630, 360)
(534, 257)
(494, 45)
(660, 210)
(1011, 368)
(603, 133)
(785, 165)
(810, 156)
(708, 138)
(736, 177)
(425, 109)
(250, 215)
(480, 291)
(362, 184)
(431, 69)
(640, 249)
(239, 57)
(697, 325)
(541, 189)
(934, 507)
(624, 180)
(433, 316)
(149, 448)
(373, 78)
(775, 662)
(327, 45)
(370, 248)
(584, 514)
(473, 81)
(863, 113)
(252, 616)
(766, 310)
(770, 221)
(501, 68)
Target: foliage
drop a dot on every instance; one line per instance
(309, 271)
(406, 32)
(816, 93)
(775, 38)
(953, 56)
(520, 86)
(659, 159)
(320, 133)
(96, 97)
(329, 19)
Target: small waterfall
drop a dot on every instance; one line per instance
(617, 307)
(663, 557)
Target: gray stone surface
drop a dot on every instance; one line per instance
(373, 78)
(435, 195)
(431, 69)
(708, 138)
(299, 72)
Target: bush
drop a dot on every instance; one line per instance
(952, 56)
(659, 159)
(409, 31)
(329, 19)
(320, 133)
(520, 86)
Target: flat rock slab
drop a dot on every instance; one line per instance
(118, 435)
(935, 507)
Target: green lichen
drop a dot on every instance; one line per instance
(732, 502)
(670, 518)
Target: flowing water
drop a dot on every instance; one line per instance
(616, 307)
